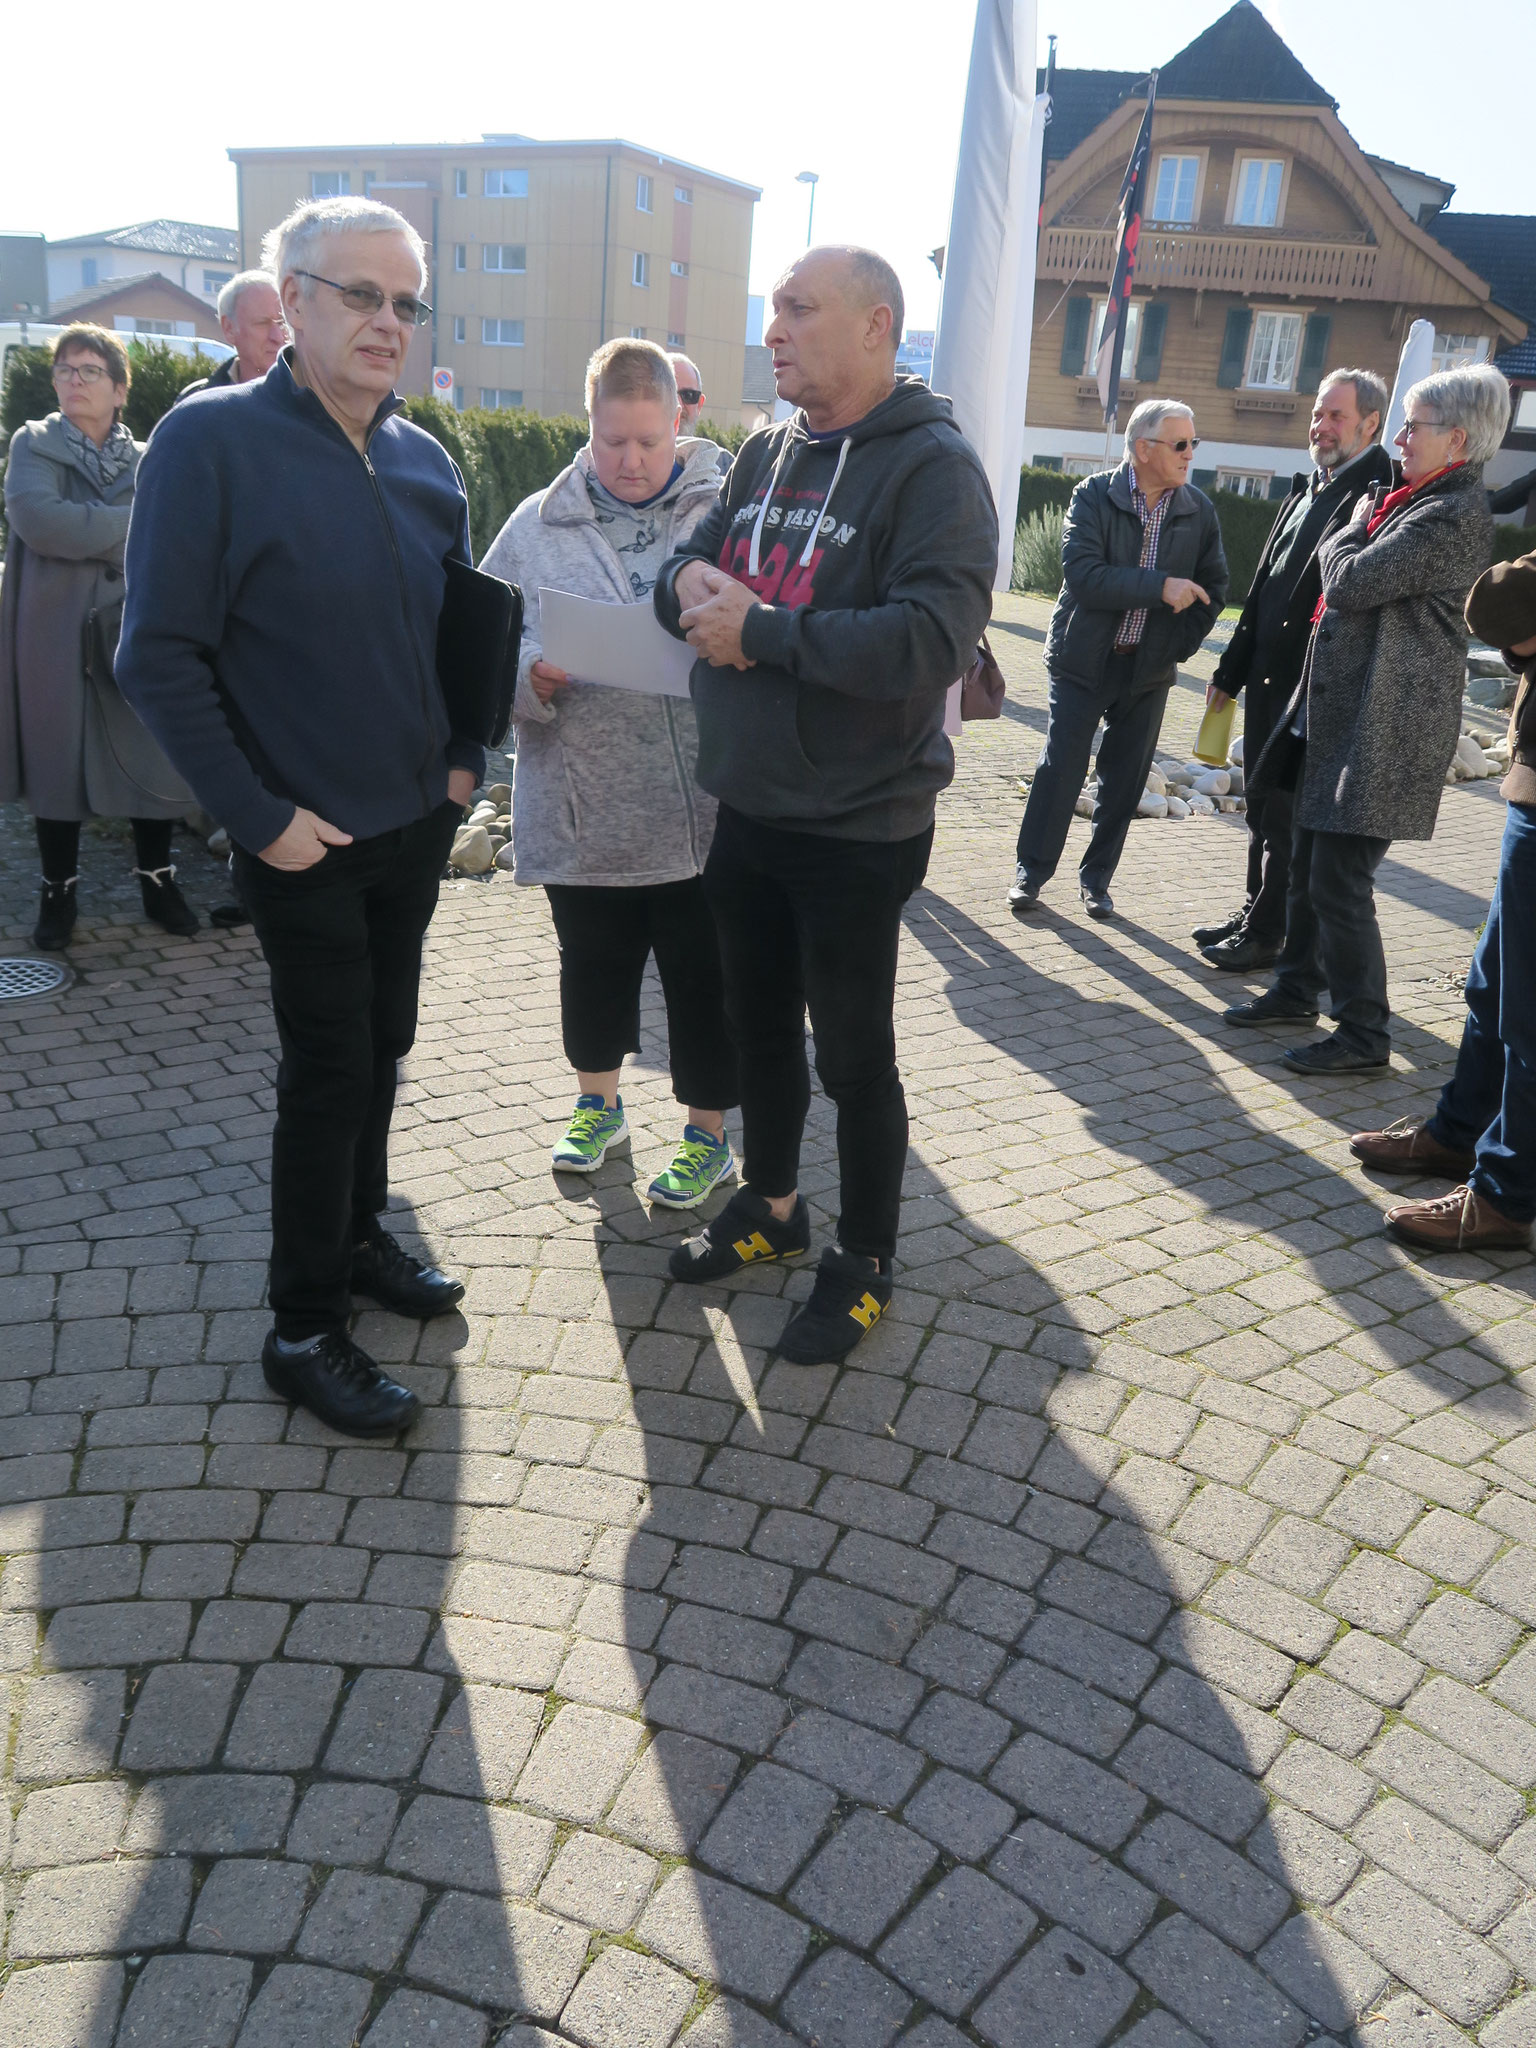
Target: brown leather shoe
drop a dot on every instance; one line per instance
(1458, 1222)
(1407, 1147)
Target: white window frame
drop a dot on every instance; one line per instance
(461, 184)
(640, 276)
(645, 192)
(1197, 157)
(1081, 465)
(500, 398)
(1284, 322)
(214, 282)
(1247, 483)
(330, 184)
(683, 194)
(461, 256)
(460, 325)
(637, 334)
(497, 338)
(679, 269)
(1132, 340)
(1240, 165)
(500, 251)
(676, 340)
(1457, 351)
(494, 183)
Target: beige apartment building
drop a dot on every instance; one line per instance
(539, 251)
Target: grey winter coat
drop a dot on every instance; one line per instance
(69, 749)
(1387, 665)
(603, 789)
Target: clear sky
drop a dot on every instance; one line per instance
(866, 92)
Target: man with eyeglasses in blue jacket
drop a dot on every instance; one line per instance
(286, 567)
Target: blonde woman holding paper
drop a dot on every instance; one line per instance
(606, 815)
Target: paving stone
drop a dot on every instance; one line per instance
(1500, 1741)
(957, 1731)
(856, 1760)
(483, 1741)
(716, 1930)
(1073, 1885)
(360, 1922)
(1382, 1673)
(627, 2001)
(70, 1726)
(1408, 2022)
(1043, 1778)
(863, 1878)
(959, 1937)
(579, 1763)
(88, 1910)
(1177, 1774)
(598, 1881)
(957, 1814)
(1449, 1547)
(461, 1842)
(1375, 1593)
(283, 1717)
(849, 1683)
(1223, 1998)
(1424, 1947)
(1214, 1720)
(240, 1631)
(1326, 1975)
(1223, 1890)
(299, 2001)
(1062, 1994)
(414, 2019)
(1330, 1714)
(250, 1906)
(1462, 1636)
(1471, 1887)
(767, 1828)
(69, 1824)
(727, 2023)
(1434, 1777)
(671, 1795)
(385, 1725)
(504, 1957)
(1320, 1783)
(221, 1815)
(343, 1824)
(186, 2002)
(61, 2005)
(719, 1709)
(124, 1632)
(1062, 1708)
(1312, 1861)
(844, 2003)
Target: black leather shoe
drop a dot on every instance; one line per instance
(1213, 934)
(1024, 896)
(1241, 955)
(1332, 1056)
(55, 916)
(1097, 902)
(1269, 1008)
(164, 902)
(386, 1273)
(229, 916)
(340, 1385)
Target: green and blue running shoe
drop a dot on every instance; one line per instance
(702, 1161)
(589, 1134)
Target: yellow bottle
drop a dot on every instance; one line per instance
(1215, 735)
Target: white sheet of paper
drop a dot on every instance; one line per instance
(952, 719)
(621, 645)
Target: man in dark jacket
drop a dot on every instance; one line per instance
(286, 568)
(251, 317)
(853, 556)
(1483, 1131)
(1143, 581)
(1263, 661)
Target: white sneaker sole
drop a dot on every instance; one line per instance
(666, 1201)
(620, 1137)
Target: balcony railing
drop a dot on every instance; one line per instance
(1219, 263)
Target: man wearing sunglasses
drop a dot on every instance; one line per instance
(1143, 581)
(690, 402)
(286, 569)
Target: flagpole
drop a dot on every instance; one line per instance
(1107, 362)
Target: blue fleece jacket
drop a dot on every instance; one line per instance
(283, 593)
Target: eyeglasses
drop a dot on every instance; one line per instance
(79, 373)
(1409, 428)
(1187, 447)
(367, 298)
(687, 395)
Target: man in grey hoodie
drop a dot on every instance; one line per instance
(833, 594)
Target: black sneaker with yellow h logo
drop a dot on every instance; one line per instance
(850, 1296)
(744, 1233)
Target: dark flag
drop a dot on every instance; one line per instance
(1132, 203)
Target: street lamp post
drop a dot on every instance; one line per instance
(809, 178)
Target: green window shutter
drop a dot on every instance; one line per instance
(1314, 351)
(1046, 462)
(1203, 479)
(1279, 487)
(1234, 348)
(1074, 337)
(1149, 356)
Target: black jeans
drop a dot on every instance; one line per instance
(810, 922)
(606, 936)
(1132, 721)
(1271, 829)
(58, 845)
(1332, 939)
(343, 943)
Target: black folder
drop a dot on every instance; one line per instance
(478, 637)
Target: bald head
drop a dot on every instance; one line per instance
(837, 322)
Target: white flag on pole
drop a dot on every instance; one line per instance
(1414, 363)
(986, 310)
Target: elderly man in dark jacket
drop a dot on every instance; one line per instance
(1483, 1131)
(1263, 661)
(1375, 721)
(1143, 581)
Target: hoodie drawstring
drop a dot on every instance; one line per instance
(754, 552)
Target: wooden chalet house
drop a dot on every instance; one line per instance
(1272, 249)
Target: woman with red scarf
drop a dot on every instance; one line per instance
(1370, 733)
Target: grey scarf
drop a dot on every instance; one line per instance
(103, 465)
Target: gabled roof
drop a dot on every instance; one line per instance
(1239, 57)
(113, 288)
(164, 238)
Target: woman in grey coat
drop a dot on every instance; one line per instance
(70, 748)
(1378, 711)
(606, 815)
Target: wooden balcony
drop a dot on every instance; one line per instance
(1253, 265)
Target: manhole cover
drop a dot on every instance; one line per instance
(21, 977)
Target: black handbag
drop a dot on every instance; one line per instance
(479, 636)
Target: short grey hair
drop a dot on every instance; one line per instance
(1371, 394)
(1475, 398)
(1149, 416)
(295, 243)
(237, 287)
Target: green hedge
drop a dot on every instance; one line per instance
(160, 375)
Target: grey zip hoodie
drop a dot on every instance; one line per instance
(873, 553)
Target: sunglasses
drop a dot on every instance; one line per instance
(687, 395)
(1180, 447)
(367, 298)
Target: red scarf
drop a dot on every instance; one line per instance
(1392, 502)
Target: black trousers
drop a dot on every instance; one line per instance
(810, 922)
(343, 943)
(1132, 721)
(1271, 828)
(606, 936)
(1332, 939)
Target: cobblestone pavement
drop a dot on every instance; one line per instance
(1132, 1644)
